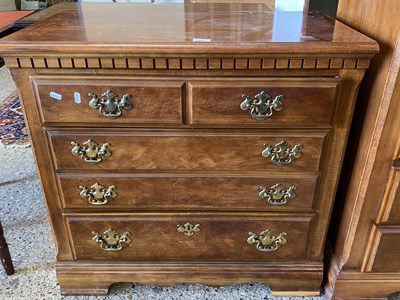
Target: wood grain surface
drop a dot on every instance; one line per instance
(364, 243)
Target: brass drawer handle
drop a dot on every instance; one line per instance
(98, 194)
(188, 228)
(263, 106)
(111, 240)
(90, 151)
(110, 106)
(277, 194)
(268, 241)
(282, 154)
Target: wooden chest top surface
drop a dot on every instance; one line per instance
(111, 27)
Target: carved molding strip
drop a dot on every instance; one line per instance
(189, 63)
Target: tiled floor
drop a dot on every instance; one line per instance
(28, 233)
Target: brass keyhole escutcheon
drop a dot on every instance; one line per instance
(188, 228)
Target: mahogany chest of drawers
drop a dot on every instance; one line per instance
(188, 143)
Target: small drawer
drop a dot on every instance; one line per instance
(111, 101)
(166, 192)
(299, 102)
(190, 237)
(186, 151)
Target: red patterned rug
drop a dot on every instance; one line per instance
(12, 124)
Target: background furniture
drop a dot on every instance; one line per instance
(7, 5)
(188, 143)
(365, 262)
(327, 6)
(7, 20)
(5, 254)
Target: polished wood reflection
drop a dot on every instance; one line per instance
(111, 25)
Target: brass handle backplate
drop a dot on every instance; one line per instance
(98, 194)
(188, 228)
(282, 154)
(267, 241)
(277, 194)
(90, 151)
(110, 106)
(263, 106)
(111, 240)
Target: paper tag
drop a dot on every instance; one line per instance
(201, 40)
(55, 95)
(77, 98)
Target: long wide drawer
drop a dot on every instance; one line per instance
(190, 237)
(95, 100)
(141, 192)
(271, 102)
(187, 151)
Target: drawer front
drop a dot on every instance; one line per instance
(394, 194)
(188, 193)
(185, 151)
(66, 100)
(386, 251)
(304, 102)
(190, 238)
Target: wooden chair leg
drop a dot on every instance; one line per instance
(5, 254)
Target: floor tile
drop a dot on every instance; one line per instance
(7, 86)
(16, 163)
